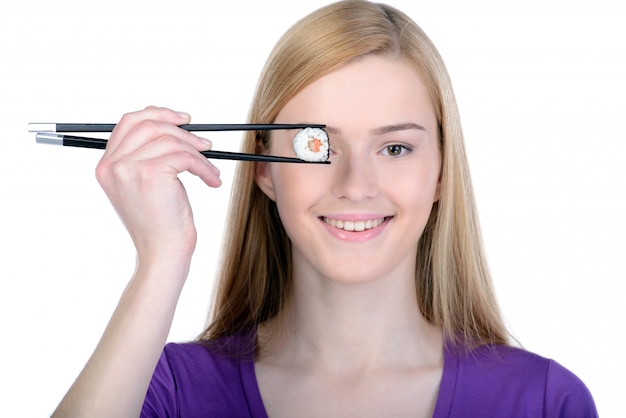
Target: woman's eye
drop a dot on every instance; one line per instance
(395, 150)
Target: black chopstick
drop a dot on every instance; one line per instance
(100, 143)
(197, 127)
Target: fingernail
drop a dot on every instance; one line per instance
(206, 141)
(184, 115)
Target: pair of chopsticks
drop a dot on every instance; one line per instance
(54, 133)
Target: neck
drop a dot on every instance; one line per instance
(357, 326)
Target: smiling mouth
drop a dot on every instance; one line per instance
(354, 226)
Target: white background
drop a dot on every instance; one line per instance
(542, 90)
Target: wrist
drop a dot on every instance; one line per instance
(169, 268)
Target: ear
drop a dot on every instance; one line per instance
(263, 179)
(438, 191)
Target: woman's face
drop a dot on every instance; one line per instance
(359, 218)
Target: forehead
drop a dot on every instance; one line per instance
(373, 90)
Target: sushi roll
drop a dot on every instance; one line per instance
(311, 144)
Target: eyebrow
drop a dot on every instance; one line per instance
(383, 129)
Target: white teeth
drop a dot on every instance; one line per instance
(351, 226)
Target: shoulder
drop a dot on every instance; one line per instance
(566, 392)
(193, 379)
(508, 381)
(190, 362)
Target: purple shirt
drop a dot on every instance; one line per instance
(193, 380)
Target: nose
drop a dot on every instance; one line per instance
(355, 177)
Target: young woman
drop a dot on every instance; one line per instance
(357, 288)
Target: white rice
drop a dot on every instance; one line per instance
(304, 148)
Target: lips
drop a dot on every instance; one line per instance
(354, 225)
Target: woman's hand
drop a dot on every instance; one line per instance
(139, 172)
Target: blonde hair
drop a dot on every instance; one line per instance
(454, 288)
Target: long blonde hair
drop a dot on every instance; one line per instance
(454, 288)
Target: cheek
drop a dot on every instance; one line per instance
(416, 181)
(296, 186)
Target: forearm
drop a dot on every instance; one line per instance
(115, 380)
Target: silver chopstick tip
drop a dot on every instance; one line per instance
(42, 127)
(49, 138)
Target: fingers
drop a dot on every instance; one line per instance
(152, 133)
(170, 156)
(144, 122)
(138, 128)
